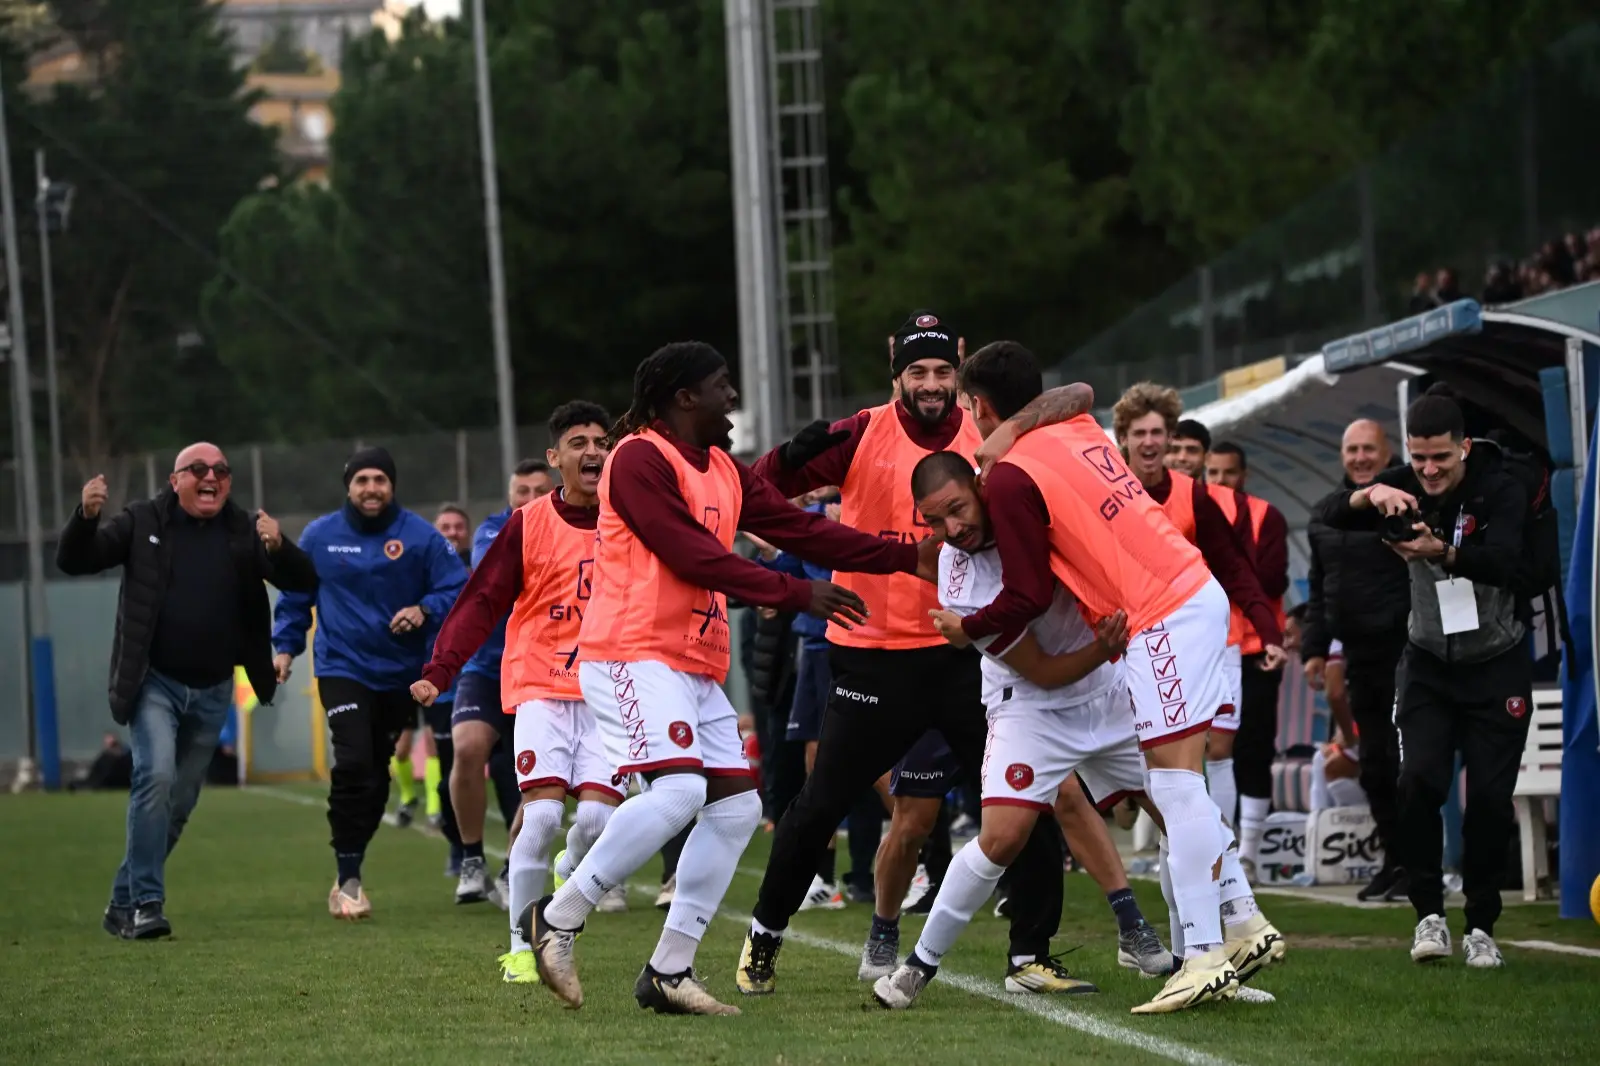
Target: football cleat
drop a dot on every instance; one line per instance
(758, 962)
(615, 901)
(669, 890)
(677, 993)
(519, 968)
(552, 953)
(900, 989)
(1253, 944)
(1046, 976)
(348, 902)
(1203, 979)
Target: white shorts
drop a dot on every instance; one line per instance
(1227, 719)
(1175, 669)
(1032, 750)
(557, 743)
(652, 717)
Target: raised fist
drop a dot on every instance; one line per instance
(94, 496)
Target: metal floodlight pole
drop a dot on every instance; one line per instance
(44, 708)
(751, 143)
(52, 383)
(491, 222)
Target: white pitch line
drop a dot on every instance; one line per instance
(1551, 945)
(290, 796)
(801, 938)
(1046, 1007)
(1040, 1006)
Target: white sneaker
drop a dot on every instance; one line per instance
(614, 901)
(500, 892)
(474, 885)
(1481, 950)
(920, 886)
(668, 891)
(1432, 940)
(822, 896)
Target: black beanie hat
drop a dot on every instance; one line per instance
(923, 336)
(369, 459)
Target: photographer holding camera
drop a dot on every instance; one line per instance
(1456, 515)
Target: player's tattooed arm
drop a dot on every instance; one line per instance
(1048, 408)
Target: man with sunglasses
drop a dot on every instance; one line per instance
(192, 606)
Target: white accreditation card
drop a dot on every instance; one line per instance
(1458, 604)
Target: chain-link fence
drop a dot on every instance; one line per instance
(1490, 181)
(297, 482)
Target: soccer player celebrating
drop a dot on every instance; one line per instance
(480, 728)
(1042, 728)
(539, 569)
(1064, 503)
(383, 571)
(1145, 421)
(654, 648)
(893, 678)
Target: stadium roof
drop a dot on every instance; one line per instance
(1289, 419)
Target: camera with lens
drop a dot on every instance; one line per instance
(1399, 528)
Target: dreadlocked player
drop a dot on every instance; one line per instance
(653, 651)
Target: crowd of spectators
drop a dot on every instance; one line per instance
(1570, 260)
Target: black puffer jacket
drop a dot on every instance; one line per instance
(135, 541)
(1360, 590)
(772, 664)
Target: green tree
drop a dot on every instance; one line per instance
(161, 148)
(284, 54)
(617, 229)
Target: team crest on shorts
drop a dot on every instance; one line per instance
(1516, 706)
(526, 760)
(680, 734)
(1019, 775)
(394, 548)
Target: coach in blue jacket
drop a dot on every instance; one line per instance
(383, 573)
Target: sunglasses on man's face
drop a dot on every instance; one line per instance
(197, 470)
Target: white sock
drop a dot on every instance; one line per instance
(636, 831)
(705, 870)
(1195, 843)
(587, 822)
(1252, 823)
(1174, 922)
(758, 928)
(967, 885)
(1238, 901)
(1219, 782)
(530, 859)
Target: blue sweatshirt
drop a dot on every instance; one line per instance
(487, 659)
(365, 580)
(433, 627)
(813, 629)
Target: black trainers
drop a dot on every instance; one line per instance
(1380, 884)
(116, 919)
(677, 993)
(147, 923)
(1400, 890)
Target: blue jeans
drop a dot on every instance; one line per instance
(175, 730)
